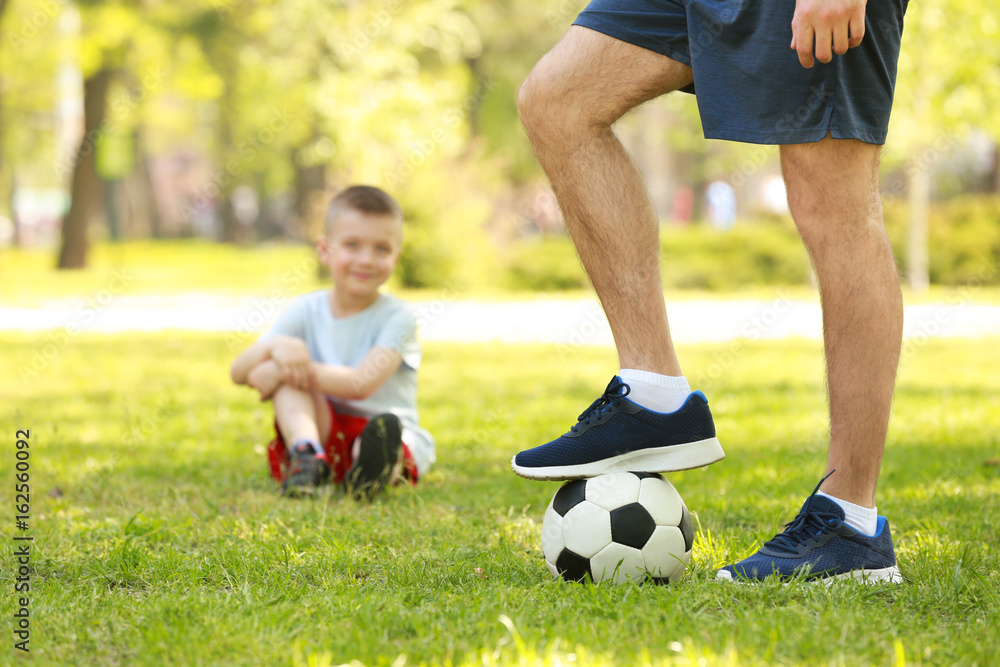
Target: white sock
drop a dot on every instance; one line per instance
(861, 519)
(662, 393)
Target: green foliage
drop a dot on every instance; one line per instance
(159, 539)
(762, 253)
(444, 242)
(964, 239)
(699, 257)
(544, 264)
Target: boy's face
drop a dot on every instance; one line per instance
(361, 250)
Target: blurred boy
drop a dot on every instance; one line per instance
(340, 365)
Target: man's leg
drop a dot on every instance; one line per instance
(834, 198)
(833, 195)
(568, 104)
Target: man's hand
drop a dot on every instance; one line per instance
(826, 23)
(292, 358)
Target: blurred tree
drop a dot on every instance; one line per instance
(948, 84)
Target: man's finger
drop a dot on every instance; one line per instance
(840, 41)
(824, 37)
(804, 46)
(857, 27)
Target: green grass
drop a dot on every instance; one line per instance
(160, 540)
(28, 277)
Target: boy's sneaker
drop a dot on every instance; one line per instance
(616, 435)
(381, 441)
(306, 471)
(818, 545)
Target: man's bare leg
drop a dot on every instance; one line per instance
(834, 197)
(568, 104)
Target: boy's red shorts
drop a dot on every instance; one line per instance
(344, 430)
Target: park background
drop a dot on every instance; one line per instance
(164, 167)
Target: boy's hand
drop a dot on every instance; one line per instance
(292, 358)
(840, 23)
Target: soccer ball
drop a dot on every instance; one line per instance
(623, 525)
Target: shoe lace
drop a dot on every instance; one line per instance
(615, 391)
(807, 525)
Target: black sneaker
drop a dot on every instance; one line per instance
(818, 545)
(307, 471)
(616, 435)
(381, 441)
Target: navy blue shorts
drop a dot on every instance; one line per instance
(749, 84)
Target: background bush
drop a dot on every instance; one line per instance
(964, 238)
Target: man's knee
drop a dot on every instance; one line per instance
(537, 107)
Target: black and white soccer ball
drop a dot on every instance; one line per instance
(618, 526)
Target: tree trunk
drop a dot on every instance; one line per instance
(86, 187)
(310, 200)
(918, 195)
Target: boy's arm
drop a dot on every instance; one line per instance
(361, 382)
(291, 355)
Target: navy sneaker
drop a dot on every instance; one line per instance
(381, 442)
(818, 545)
(306, 471)
(616, 435)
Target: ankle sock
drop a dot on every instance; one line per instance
(662, 393)
(861, 519)
(308, 441)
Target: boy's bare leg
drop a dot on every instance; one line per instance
(568, 105)
(301, 415)
(834, 198)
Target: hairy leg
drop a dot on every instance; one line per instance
(567, 105)
(834, 198)
(301, 415)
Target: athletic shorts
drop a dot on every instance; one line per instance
(344, 430)
(749, 84)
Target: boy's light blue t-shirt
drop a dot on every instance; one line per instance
(345, 341)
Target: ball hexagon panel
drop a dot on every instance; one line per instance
(617, 562)
(569, 496)
(586, 529)
(613, 490)
(662, 500)
(631, 525)
(666, 553)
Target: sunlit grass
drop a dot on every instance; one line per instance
(28, 277)
(159, 538)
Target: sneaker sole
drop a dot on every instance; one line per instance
(672, 458)
(887, 575)
(380, 444)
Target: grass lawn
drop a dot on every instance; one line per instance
(171, 267)
(159, 539)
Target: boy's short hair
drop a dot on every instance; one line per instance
(364, 199)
